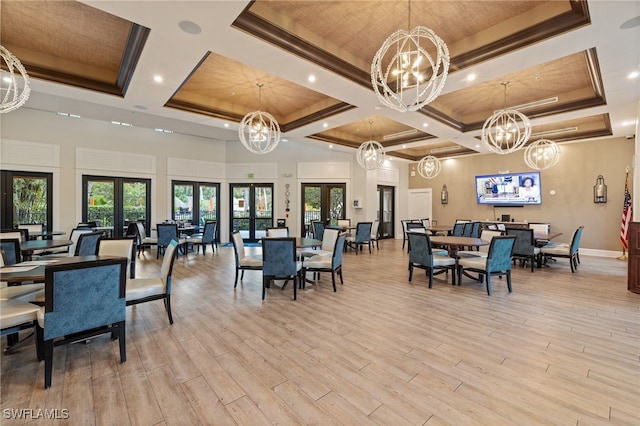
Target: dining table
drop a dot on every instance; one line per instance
(45, 234)
(34, 270)
(28, 247)
(453, 244)
(434, 229)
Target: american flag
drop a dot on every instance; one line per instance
(626, 215)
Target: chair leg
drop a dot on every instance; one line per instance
(333, 280)
(430, 273)
(48, 362)
(571, 263)
(264, 286)
(236, 282)
(489, 284)
(122, 339)
(340, 272)
(410, 271)
(167, 305)
(296, 282)
(509, 281)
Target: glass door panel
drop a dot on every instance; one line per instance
(101, 206)
(385, 210)
(251, 209)
(323, 202)
(26, 198)
(134, 201)
(336, 201)
(208, 203)
(183, 202)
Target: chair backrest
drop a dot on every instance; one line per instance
(344, 223)
(487, 235)
(415, 227)
(132, 231)
(279, 257)
(278, 232)
(238, 246)
(468, 229)
(318, 229)
(141, 230)
(337, 251)
(87, 244)
(575, 240)
(166, 270)
(209, 232)
(33, 229)
(11, 253)
(420, 250)
(525, 244)
(84, 295)
(374, 229)
(492, 226)
(426, 222)
(166, 233)
(458, 229)
(540, 228)
(501, 226)
(363, 232)
(329, 239)
(475, 230)
(404, 225)
(21, 234)
(121, 247)
(500, 252)
(75, 236)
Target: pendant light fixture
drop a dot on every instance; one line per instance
(507, 130)
(410, 68)
(429, 167)
(259, 131)
(371, 153)
(14, 82)
(542, 154)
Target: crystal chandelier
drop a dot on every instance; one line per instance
(542, 154)
(259, 131)
(14, 87)
(410, 68)
(371, 153)
(429, 167)
(507, 130)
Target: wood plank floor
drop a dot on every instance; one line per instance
(562, 349)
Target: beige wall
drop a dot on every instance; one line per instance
(572, 179)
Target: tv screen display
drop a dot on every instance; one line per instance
(509, 189)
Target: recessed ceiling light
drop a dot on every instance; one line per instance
(157, 78)
(404, 146)
(190, 27)
(226, 124)
(330, 146)
(633, 74)
(425, 125)
(477, 145)
(325, 125)
(311, 78)
(140, 107)
(629, 123)
(284, 140)
(471, 77)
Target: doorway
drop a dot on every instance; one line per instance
(251, 209)
(324, 202)
(386, 214)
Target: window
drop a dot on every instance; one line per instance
(195, 202)
(27, 197)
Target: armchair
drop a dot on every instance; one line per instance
(362, 237)
(498, 261)
(279, 263)
(421, 256)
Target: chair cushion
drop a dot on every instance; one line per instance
(139, 288)
(16, 312)
(149, 240)
(18, 291)
(440, 252)
(443, 261)
(311, 253)
(472, 253)
(318, 262)
(556, 249)
(473, 262)
(195, 239)
(251, 261)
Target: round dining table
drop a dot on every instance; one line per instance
(453, 244)
(34, 270)
(28, 247)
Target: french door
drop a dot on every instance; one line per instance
(251, 209)
(324, 202)
(195, 202)
(27, 197)
(386, 216)
(113, 202)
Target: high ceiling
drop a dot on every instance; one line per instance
(566, 64)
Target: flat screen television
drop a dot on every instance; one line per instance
(512, 189)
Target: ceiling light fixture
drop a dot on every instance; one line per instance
(410, 68)
(507, 130)
(429, 167)
(370, 154)
(542, 154)
(400, 134)
(15, 86)
(259, 132)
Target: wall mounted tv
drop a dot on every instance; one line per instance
(512, 189)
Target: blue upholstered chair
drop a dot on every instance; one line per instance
(243, 261)
(324, 263)
(279, 263)
(497, 262)
(570, 251)
(11, 251)
(362, 237)
(421, 255)
(168, 232)
(524, 248)
(141, 290)
(82, 300)
(318, 229)
(458, 229)
(87, 244)
(208, 236)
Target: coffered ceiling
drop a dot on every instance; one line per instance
(565, 62)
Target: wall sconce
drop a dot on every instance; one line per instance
(600, 191)
(444, 195)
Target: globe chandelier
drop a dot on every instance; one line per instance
(507, 130)
(371, 153)
(259, 131)
(429, 167)
(410, 68)
(542, 154)
(14, 82)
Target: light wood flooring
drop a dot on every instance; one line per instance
(562, 349)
